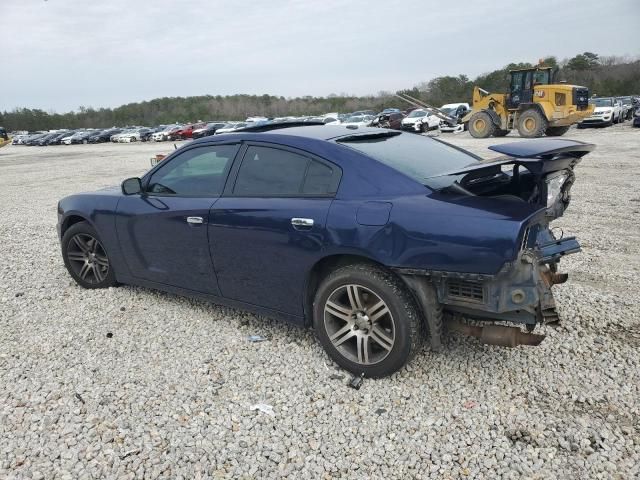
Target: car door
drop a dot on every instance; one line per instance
(163, 231)
(268, 229)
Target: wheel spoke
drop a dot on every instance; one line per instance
(345, 334)
(76, 256)
(381, 338)
(102, 260)
(354, 297)
(97, 271)
(337, 310)
(86, 268)
(82, 245)
(362, 346)
(378, 310)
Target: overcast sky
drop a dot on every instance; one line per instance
(60, 54)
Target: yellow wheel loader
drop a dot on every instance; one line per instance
(4, 138)
(535, 106)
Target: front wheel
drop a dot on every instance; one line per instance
(481, 125)
(366, 320)
(532, 124)
(85, 257)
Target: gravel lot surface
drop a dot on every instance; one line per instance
(132, 383)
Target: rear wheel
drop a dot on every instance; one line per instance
(481, 125)
(366, 320)
(86, 258)
(532, 124)
(557, 131)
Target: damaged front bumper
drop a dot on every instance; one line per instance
(519, 293)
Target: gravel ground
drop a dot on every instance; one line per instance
(132, 383)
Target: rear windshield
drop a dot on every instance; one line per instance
(417, 156)
(602, 102)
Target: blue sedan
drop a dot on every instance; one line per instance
(372, 237)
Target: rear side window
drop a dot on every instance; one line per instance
(267, 171)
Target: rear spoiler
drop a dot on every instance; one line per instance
(539, 156)
(544, 148)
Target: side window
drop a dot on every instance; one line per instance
(270, 171)
(319, 179)
(267, 171)
(196, 172)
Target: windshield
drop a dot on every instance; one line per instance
(625, 100)
(602, 102)
(355, 118)
(421, 158)
(417, 113)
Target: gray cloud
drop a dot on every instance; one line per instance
(60, 54)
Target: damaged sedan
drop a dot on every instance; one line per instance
(372, 237)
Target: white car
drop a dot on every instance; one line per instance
(607, 112)
(456, 110)
(231, 127)
(163, 135)
(420, 120)
(357, 120)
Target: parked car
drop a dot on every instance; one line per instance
(420, 120)
(104, 135)
(32, 140)
(636, 115)
(186, 131)
(363, 112)
(358, 120)
(57, 138)
(627, 106)
(44, 140)
(135, 135)
(369, 236)
(163, 135)
(607, 111)
(209, 129)
(391, 120)
(231, 127)
(457, 111)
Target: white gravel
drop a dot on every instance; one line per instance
(132, 383)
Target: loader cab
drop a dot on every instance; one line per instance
(522, 83)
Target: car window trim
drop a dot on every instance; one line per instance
(233, 174)
(147, 176)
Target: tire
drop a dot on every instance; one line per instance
(133, 139)
(343, 303)
(481, 125)
(85, 257)
(500, 133)
(532, 124)
(85, 142)
(557, 131)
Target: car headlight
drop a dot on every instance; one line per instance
(554, 188)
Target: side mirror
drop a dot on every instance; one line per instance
(132, 186)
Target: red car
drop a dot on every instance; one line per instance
(187, 130)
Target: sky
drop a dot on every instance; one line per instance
(58, 55)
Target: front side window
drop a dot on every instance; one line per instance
(197, 172)
(267, 171)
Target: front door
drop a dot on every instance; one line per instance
(163, 231)
(268, 229)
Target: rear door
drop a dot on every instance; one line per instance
(163, 231)
(268, 229)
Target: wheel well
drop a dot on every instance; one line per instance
(71, 220)
(323, 268)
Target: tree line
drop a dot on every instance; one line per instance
(604, 76)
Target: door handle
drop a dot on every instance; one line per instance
(302, 223)
(195, 220)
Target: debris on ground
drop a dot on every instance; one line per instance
(256, 338)
(356, 381)
(263, 407)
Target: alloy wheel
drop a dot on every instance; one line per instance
(88, 258)
(359, 324)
